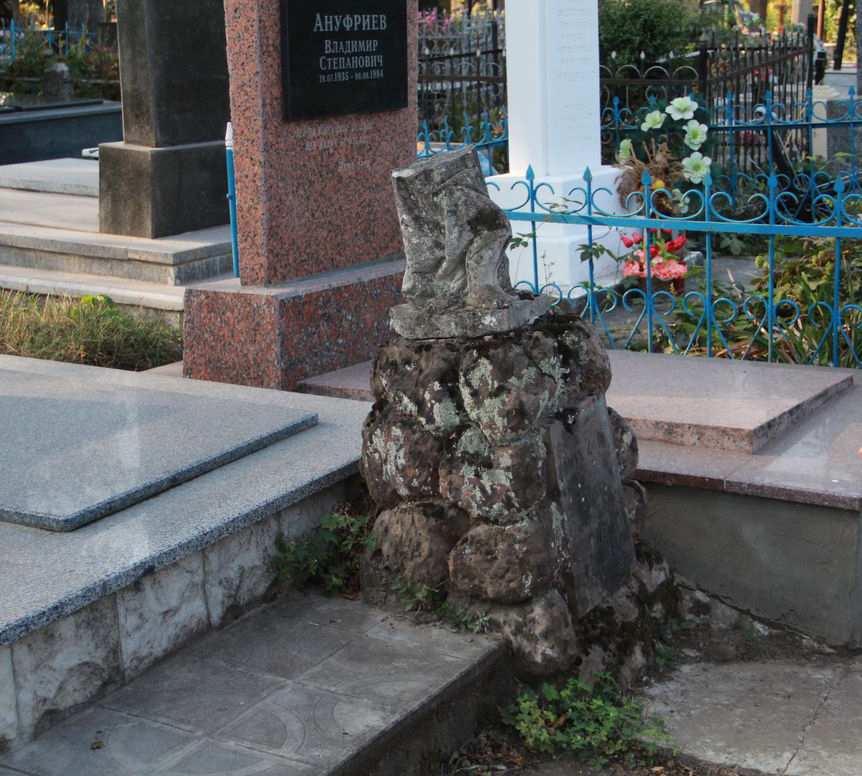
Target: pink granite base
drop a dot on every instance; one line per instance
(312, 196)
(276, 336)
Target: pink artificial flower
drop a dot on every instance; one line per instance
(634, 269)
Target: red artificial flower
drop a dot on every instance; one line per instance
(637, 238)
(628, 242)
(653, 251)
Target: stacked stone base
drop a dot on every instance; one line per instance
(504, 481)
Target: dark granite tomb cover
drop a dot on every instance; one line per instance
(74, 450)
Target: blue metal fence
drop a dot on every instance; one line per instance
(775, 324)
(15, 39)
(817, 319)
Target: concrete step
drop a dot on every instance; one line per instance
(795, 716)
(57, 176)
(59, 232)
(306, 686)
(136, 295)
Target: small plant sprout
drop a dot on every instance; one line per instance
(598, 724)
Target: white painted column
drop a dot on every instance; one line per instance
(552, 62)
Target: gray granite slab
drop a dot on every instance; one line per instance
(59, 573)
(78, 448)
(79, 177)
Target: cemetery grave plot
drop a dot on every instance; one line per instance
(79, 451)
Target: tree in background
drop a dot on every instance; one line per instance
(8, 10)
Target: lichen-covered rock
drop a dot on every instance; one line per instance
(635, 502)
(421, 380)
(625, 445)
(400, 460)
(504, 391)
(411, 544)
(541, 634)
(501, 484)
(507, 564)
(585, 363)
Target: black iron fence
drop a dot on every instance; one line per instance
(462, 79)
(462, 67)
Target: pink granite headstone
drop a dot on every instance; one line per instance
(319, 241)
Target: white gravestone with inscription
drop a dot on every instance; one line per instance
(552, 61)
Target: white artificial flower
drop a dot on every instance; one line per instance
(696, 167)
(626, 150)
(681, 201)
(695, 134)
(653, 120)
(682, 108)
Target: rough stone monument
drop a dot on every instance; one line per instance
(323, 104)
(490, 448)
(168, 176)
(554, 119)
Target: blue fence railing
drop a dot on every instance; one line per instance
(16, 39)
(804, 304)
(488, 137)
(825, 327)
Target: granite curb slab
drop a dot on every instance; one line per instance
(83, 450)
(51, 575)
(815, 461)
(123, 291)
(79, 177)
(723, 404)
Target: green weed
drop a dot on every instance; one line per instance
(598, 724)
(329, 556)
(92, 330)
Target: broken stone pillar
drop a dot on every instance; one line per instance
(169, 174)
(490, 446)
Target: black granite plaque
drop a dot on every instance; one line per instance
(343, 56)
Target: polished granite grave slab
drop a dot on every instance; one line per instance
(721, 404)
(76, 448)
(48, 575)
(695, 402)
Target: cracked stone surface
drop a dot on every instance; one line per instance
(792, 719)
(8, 705)
(69, 662)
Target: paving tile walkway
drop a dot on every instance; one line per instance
(293, 689)
(793, 719)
